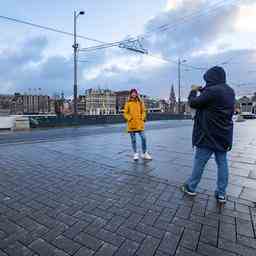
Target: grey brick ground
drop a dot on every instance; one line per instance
(84, 196)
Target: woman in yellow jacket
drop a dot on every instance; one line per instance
(135, 115)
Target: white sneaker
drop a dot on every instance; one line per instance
(136, 157)
(146, 156)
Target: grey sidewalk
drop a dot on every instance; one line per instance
(84, 196)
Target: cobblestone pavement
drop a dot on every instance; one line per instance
(84, 196)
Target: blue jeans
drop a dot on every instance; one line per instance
(143, 141)
(202, 156)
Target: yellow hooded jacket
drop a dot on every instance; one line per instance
(135, 115)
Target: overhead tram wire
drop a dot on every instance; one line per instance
(109, 45)
(178, 19)
(176, 63)
(93, 39)
(104, 45)
(188, 16)
(71, 34)
(185, 19)
(48, 28)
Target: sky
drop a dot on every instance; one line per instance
(202, 33)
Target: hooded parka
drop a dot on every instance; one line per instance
(213, 125)
(135, 115)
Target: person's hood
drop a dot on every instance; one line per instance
(214, 76)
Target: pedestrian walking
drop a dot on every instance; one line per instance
(213, 129)
(135, 115)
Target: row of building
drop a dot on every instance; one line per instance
(92, 102)
(105, 102)
(99, 102)
(26, 104)
(246, 105)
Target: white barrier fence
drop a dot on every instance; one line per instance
(14, 123)
(7, 122)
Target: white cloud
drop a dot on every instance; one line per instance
(176, 4)
(224, 36)
(172, 4)
(124, 63)
(247, 19)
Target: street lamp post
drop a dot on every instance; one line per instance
(179, 83)
(75, 47)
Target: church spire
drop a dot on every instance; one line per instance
(172, 98)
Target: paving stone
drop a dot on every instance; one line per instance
(16, 215)
(187, 224)
(131, 234)
(150, 217)
(242, 208)
(136, 209)
(169, 243)
(106, 204)
(90, 206)
(58, 252)
(149, 230)
(30, 224)
(160, 253)
(20, 235)
(148, 247)
(55, 232)
(244, 227)
(106, 250)
(236, 248)
(75, 229)
(163, 225)
(7, 226)
(110, 237)
(66, 219)
(209, 235)
(102, 214)
(89, 241)
(150, 203)
(119, 211)
(185, 252)
(3, 253)
(45, 220)
(204, 221)
(26, 237)
(17, 249)
(184, 212)
(209, 250)
(221, 218)
(246, 241)
(87, 217)
(42, 247)
(83, 251)
(95, 226)
(115, 223)
(66, 244)
(236, 214)
(227, 231)
(2, 234)
(133, 220)
(190, 239)
(128, 248)
(167, 214)
(199, 208)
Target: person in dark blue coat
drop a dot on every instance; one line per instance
(213, 129)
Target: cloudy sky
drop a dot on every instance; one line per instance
(204, 33)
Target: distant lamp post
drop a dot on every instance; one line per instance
(75, 47)
(179, 83)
